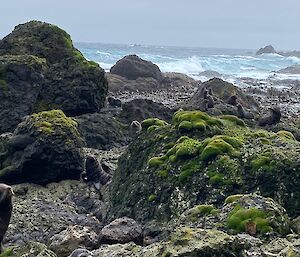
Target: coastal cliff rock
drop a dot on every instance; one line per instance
(39, 61)
(203, 159)
(133, 67)
(44, 147)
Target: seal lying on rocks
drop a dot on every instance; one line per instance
(232, 100)
(272, 118)
(135, 128)
(95, 173)
(242, 113)
(6, 194)
(81, 253)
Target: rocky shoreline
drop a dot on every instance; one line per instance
(211, 172)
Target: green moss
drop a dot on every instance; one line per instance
(156, 162)
(3, 86)
(7, 253)
(240, 217)
(286, 135)
(153, 122)
(201, 211)
(188, 170)
(163, 173)
(190, 120)
(187, 148)
(214, 148)
(50, 122)
(233, 119)
(151, 198)
(233, 198)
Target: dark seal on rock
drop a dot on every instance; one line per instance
(5, 210)
(272, 118)
(95, 173)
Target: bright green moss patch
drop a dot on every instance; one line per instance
(50, 122)
(240, 217)
(285, 135)
(201, 211)
(151, 198)
(188, 170)
(156, 162)
(190, 120)
(215, 146)
(153, 122)
(233, 119)
(233, 198)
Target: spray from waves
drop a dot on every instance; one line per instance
(193, 62)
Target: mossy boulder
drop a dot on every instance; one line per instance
(183, 168)
(21, 79)
(45, 147)
(41, 70)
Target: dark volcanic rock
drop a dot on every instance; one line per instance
(266, 50)
(102, 131)
(133, 67)
(141, 109)
(38, 61)
(45, 147)
(123, 230)
(221, 91)
(21, 82)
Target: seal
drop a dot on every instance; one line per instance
(232, 100)
(242, 113)
(6, 207)
(272, 118)
(135, 128)
(209, 99)
(95, 173)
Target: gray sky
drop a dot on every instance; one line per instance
(211, 23)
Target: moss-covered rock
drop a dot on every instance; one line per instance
(41, 70)
(186, 167)
(45, 147)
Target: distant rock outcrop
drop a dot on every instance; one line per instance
(39, 63)
(133, 67)
(295, 69)
(266, 50)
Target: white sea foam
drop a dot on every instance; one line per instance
(231, 64)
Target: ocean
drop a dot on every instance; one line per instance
(230, 64)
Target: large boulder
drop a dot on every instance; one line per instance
(123, 230)
(44, 147)
(203, 159)
(266, 50)
(39, 61)
(21, 82)
(221, 92)
(133, 67)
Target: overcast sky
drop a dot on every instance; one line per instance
(208, 23)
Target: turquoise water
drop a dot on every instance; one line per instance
(232, 63)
